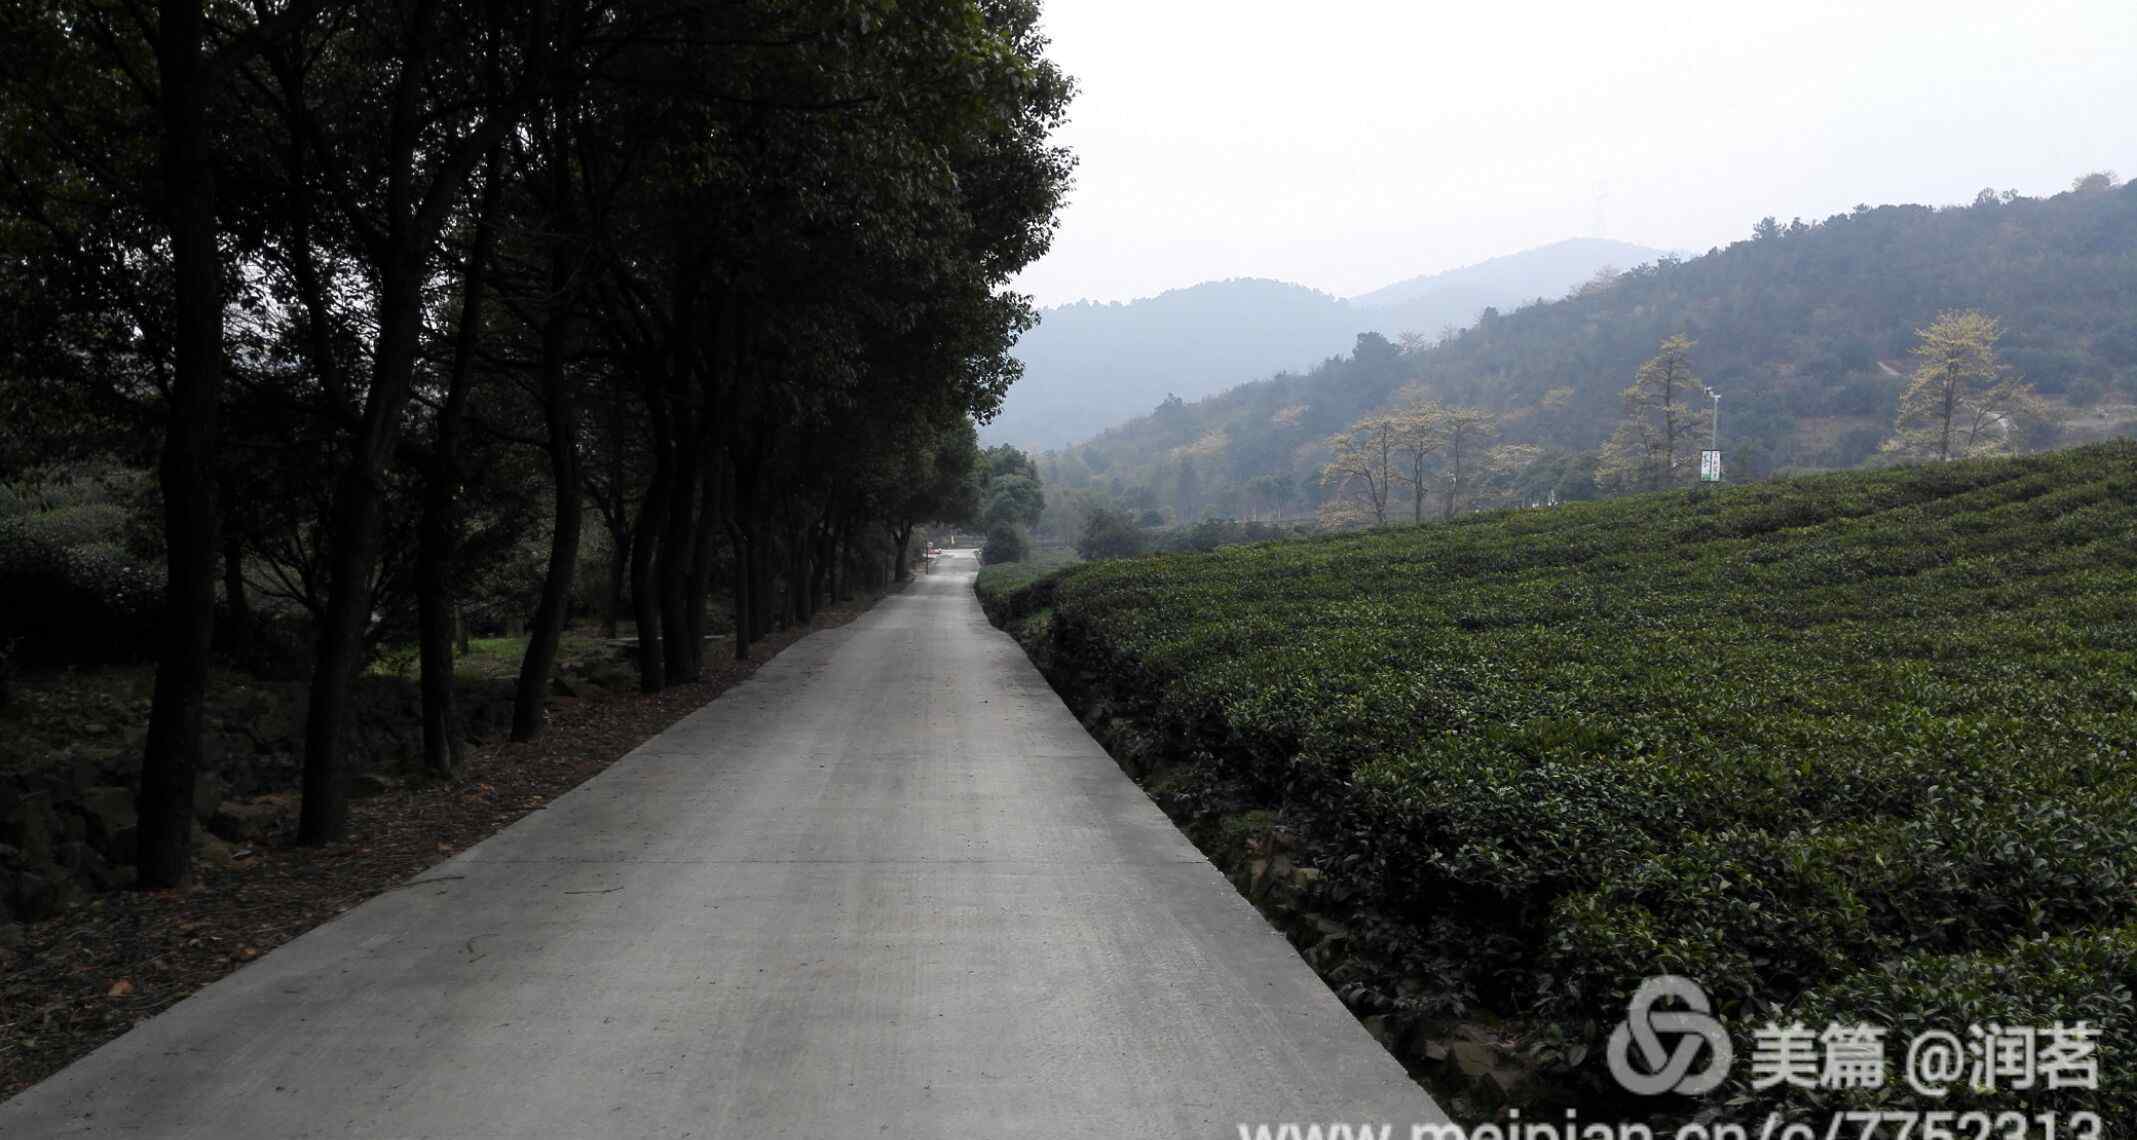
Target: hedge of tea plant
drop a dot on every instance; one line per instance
(1853, 736)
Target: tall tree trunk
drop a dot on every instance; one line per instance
(186, 472)
(837, 561)
(534, 669)
(760, 586)
(707, 535)
(438, 533)
(236, 604)
(400, 253)
(677, 549)
(352, 554)
(618, 577)
(678, 546)
(819, 566)
(645, 544)
(799, 574)
(442, 752)
(739, 539)
(902, 570)
(616, 514)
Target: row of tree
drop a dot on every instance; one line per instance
(381, 282)
(1429, 453)
(1962, 400)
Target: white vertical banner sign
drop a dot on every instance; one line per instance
(1710, 466)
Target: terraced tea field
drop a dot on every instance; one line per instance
(1856, 746)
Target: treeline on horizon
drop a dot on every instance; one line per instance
(390, 296)
(1806, 328)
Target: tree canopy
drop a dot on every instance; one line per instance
(735, 275)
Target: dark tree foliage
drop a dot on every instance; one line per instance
(391, 293)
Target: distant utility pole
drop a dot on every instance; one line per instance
(1710, 461)
(1602, 197)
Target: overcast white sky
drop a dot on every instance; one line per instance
(1347, 144)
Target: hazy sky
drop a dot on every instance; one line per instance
(1347, 144)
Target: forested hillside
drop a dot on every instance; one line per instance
(1090, 366)
(1805, 328)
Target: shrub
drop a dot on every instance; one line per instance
(1109, 534)
(80, 605)
(76, 594)
(1005, 543)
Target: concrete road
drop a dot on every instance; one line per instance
(888, 887)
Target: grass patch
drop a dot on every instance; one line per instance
(498, 658)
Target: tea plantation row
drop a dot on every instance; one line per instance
(1855, 746)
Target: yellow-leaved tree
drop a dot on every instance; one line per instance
(1360, 480)
(1666, 417)
(1962, 401)
(1442, 451)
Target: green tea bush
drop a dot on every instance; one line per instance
(1842, 735)
(73, 593)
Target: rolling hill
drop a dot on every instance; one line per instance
(1089, 366)
(1806, 329)
(1431, 303)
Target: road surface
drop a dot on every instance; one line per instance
(888, 887)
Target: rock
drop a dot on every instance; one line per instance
(208, 793)
(108, 811)
(87, 864)
(34, 895)
(29, 828)
(212, 852)
(1506, 1083)
(252, 821)
(11, 937)
(88, 771)
(1473, 1058)
(369, 784)
(558, 686)
(1327, 928)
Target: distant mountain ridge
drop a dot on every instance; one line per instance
(1808, 328)
(1089, 366)
(1430, 303)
